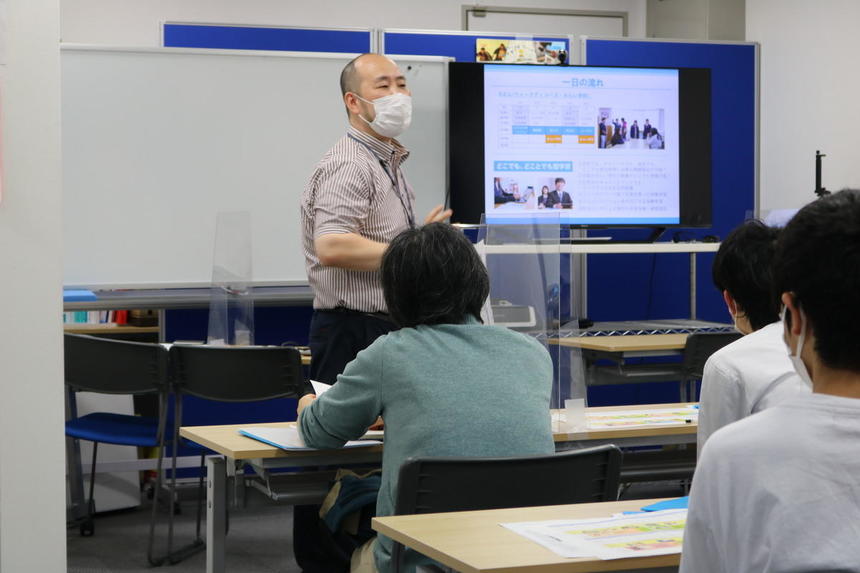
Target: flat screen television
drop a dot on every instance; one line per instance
(587, 146)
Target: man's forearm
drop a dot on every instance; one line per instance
(349, 251)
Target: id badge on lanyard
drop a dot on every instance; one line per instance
(395, 181)
(403, 196)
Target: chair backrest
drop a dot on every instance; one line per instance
(438, 485)
(114, 366)
(700, 346)
(236, 373)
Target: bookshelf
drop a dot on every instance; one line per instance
(108, 328)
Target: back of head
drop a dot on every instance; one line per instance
(818, 262)
(433, 275)
(742, 267)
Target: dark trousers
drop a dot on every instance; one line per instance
(336, 337)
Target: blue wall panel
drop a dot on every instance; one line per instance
(459, 47)
(629, 287)
(253, 38)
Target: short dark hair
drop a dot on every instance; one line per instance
(433, 275)
(743, 267)
(560, 180)
(817, 261)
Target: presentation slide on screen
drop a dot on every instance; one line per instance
(589, 145)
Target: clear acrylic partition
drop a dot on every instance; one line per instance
(231, 309)
(531, 291)
(572, 370)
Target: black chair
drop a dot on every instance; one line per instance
(439, 485)
(229, 374)
(697, 349)
(105, 366)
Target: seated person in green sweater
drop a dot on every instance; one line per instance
(445, 384)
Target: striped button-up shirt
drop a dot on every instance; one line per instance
(357, 187)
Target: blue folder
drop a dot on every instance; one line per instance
(78, 295)
(680, 503)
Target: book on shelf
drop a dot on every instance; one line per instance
(117, 317)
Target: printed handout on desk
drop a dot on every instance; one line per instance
(609, 419)
(288, 438)
(618, 537)
(652, 417)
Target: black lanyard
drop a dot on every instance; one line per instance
(395, 181)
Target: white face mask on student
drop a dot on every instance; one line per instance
(393, 114)
(795, 358)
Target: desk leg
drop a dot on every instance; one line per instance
(693, 286)
(216, 513)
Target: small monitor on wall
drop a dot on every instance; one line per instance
(585, 146)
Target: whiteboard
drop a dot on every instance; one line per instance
(158, 141)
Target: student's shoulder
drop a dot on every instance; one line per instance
(521, 345)
(511, 336)
(753, 436)
(764, 346)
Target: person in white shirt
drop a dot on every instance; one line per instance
(779, 491)
(752, 373)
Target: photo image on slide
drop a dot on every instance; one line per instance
(520, 51)
(630, 128)
(554, 194)
(514, 193)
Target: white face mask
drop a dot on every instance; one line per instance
(393, 114)
(796, 361)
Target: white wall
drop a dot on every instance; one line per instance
(726, 20)
(809, 88)
(686, 19)
(132, 22)
(696, 19)
(32, 473)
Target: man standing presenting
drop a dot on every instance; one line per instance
(356, 201)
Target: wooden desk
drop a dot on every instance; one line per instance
(625, 344)
(108, 328)
(474, 542)
(227, 441)
(620, 348)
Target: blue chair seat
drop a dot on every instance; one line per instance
(122, 429)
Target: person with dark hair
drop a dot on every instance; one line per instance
(752, 373)
(544, 197)
(356, 200)
(440, 382)
(655, 140)
(780, 490)
(601, 130)
(500, 53)
(558, 198)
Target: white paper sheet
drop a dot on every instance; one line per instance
(320, 388)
